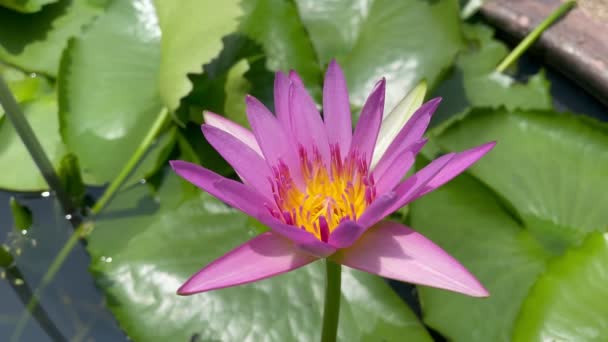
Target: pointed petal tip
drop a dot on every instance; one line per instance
(395, 251)
(436, 100)
(482, 149)
(185, 290)
(423, 85)
(431, 106)
(379, 91)
(295, 78)
(264, 256)
(176, 164)
(334, 66)
(490, 145)
(209, 115)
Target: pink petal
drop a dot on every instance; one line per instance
(264, 256)
(336, 108)
(456, 166)
(295, 78)
(394, 251)
(345, 234)
(410, 133)
(254, 205)
(408, 189)
(395, 172)
(301, 238)
(242, 197)
(252, 168)
(348, 232)
(236, 130)
(307, 127)
(251, 202)
(272, 138)
(281, 98)
(390, 164)
(366, 132)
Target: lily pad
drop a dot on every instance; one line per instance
(551, 168)
(276, 26)
(192, 33)
(404, 41)
(143, 249)
(35, 42)
(19, 171)
(473, 81)
(467, 220)
(568, 302)
(24, 87)
(544, 180)
(108, 90)
(25, 6)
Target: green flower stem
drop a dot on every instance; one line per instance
(25, 132)
(534, 35)
(86, 228)
(331, 311)
(24, 292)
(132, 162)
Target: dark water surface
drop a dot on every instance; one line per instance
(73, 301)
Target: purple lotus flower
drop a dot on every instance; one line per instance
(324, 190)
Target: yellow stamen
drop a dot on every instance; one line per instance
(330, 195)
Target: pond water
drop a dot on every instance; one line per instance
(73, 301)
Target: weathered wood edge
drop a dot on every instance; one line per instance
(577, 45)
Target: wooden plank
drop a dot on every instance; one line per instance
(576, 46)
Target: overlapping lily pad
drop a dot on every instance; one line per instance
(568, 302)
(536, 194)
(144, 247)
(109, 94)
(192, 33)
(276, 26)
(465, 219)
(551, 167)
(19, 171)
(473, 82)
(35, 42)
(404, 41)
(26, 6)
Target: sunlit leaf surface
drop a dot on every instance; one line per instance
(143, 248)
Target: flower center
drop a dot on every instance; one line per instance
(330, 195)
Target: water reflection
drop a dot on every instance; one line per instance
(73, 302)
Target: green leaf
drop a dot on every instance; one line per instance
(143, 249)
(6, 258)
(544, 180)
(210, 90)
(71, 178)
(109, 95)
(568, 302)
(404, 41)
(465, 219)
(34, 42)
(276, 26)
(334, 26)
(21, 174)
(192, 33)
(22, 215)
(474, 83)
(24, 87)
(470, 7)
(552, 168)
(25, 6)
(237, 87)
